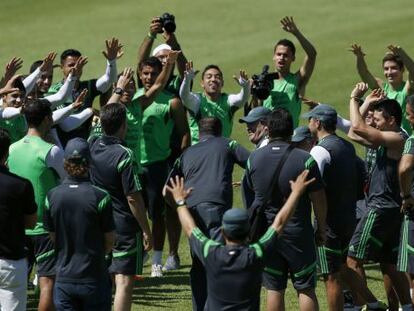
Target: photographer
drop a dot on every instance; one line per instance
(164, 25)
(212, 102)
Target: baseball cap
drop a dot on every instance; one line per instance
(235, 223)
(160, 48)
(77, 150)
(255, 114)
(322, 112)
(300, 133)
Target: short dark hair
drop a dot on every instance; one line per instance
(69, 52)
(75, 169)
(151, 62)
(18, 83)
(393, 58)
(389, 108)
(112, 116)
(410, 101)
(36, 111)
(280, 124)
(4, 142)
(210, 126)
(211, 66)
(35, 65)
(288, 43)
(329, 126)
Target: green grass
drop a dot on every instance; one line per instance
(233, 34)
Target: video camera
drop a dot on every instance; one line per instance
(263, 83)
(167, 21)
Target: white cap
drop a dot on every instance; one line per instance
(160, 48)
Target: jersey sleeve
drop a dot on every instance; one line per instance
(266, 243)
(128, 170)
(47, 217)
(201, 245)
(312, 166)
(409, 146)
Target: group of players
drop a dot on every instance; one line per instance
(158, 148)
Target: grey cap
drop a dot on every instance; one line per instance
(322, 112)
(77, 150)
(236, 223)
(255, 114)
(300, 133)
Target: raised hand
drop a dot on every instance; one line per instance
(177, 189)
(357, 50)
(359, 90)
(289, 25)
(47, 64)
(12, 67)
(172, 56)
(78, 68)
(125, 78)
(189, 72)
(113, 48)
(375, 96)
(155, 26)
(243, 79)
(80, 99)
(300, 184)
(395, 49)
(309, 102)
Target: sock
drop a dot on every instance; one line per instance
(407, 307)
(156, 257)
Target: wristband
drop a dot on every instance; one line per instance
(180, 203)
(118, 91)
(151, 36)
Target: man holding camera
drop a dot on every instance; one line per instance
(289, 87)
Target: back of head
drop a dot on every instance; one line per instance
(280, 124)
(36, 111)
(4, 144)
(211, 66)
(77, 157)
(235, 224)
(35, 65)
(287, 43)
(389, 108)
(393, 58)
(18, 83)
(69, 52)
(113, 117)
(152, 62)
(210, 126)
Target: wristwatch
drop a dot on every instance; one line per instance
(180, 202)
(118, 91)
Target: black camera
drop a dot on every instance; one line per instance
(263, 83)
(167, 21)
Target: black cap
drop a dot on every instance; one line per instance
(322, 112)
(77, 150)
(236, 223)
(300, 133)
(255, 114)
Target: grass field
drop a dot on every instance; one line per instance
(233, 34)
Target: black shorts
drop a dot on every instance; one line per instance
(127, 254)
(377, 236)
(406, 251)
(44, 251)
(296, 256)
(333, 254)
(154, 177)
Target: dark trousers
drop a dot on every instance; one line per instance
(208, 217)
(94, 296)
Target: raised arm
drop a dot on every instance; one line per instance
(47, 65)
(237, 100)
(61, 114)
(113, 50)
(171, 40)
(298, 188)
(11, 68)
(190, 100)
(408, 63)
(180, 121)
(121, 84)
(308, 65)
(146, 45)
(362, 67)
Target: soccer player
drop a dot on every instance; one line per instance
(288, 88)
(161, 112)
(69, 59)
(234, 268)
(212, 102)
(336, 160)
(294, 252)
(18, 211)
(207, 167)
(394, 85)
(405, 172)
(114, 169)
(375, 235)
(78, 217)
(42, 163)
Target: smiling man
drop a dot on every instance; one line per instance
(256, 122)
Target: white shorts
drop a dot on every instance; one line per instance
(13, 284)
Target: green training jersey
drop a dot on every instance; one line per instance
(27, 158)
(208, 108)
(157, 127)
(400, 95)
(17, 127)
(285, 94)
